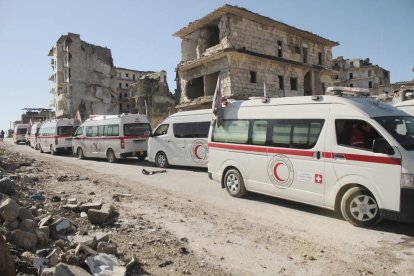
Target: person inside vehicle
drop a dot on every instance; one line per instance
(361, 136)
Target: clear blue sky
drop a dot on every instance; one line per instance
(139, 33)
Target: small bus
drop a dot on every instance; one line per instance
(181, 139)
(56, 136)
(112, 137)
(342, 152)
(33, 137)
(20, 133)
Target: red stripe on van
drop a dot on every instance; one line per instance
(366, 158)
(110, 138)
(53, 137)
(328, 155)
(262, 149)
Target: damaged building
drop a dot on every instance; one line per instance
(86, 81)
(360, 73)
(248, 51)
(83, 77)
(152, 96)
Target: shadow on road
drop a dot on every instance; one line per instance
(385, 226)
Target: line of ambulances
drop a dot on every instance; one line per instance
(342, 151)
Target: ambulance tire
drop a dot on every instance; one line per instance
(359, 207)
(234, 183)
(161, 160)
(110, 156)
(52, 152)
(79, 153)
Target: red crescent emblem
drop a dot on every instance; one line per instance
(196, 152)
(275, 172)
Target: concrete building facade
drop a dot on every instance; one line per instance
(83, 78)
(125, 78)
(360, 73)
(248, 50)
(153, 97)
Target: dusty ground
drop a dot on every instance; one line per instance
(157, 251)
(170, 234)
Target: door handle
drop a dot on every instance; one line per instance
(339, 156)
(317, 155)
(168, 140)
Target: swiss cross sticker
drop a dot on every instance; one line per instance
(318, 178)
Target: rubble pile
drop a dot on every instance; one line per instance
(42, 234)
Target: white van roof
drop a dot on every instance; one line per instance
(192, 113)
(366, 106)
(405, 103)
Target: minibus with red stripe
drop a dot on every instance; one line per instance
(55, 136)
(350, 154)
(181, 140)
(34, 133)
(20, 133)
(112, 137)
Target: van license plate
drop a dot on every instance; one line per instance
(138, 141)
(68, 139)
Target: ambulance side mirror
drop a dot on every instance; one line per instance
(381, 145)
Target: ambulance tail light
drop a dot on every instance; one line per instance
(122, 143)
(56, 141)
(407, 180)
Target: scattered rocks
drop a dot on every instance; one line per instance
(69, 270)
(9, 209)
(6, 261)
(7, 186)
(23, 239)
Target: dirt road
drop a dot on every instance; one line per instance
(256, 235)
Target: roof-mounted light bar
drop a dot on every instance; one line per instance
(348, 91)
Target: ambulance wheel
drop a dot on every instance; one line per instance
(359, 207)
(161, 160)
(110, 155)
(233, 181)
(79, 153)
(52, 152)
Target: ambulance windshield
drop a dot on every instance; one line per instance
(401, 128)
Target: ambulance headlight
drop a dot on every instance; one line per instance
(407, 180)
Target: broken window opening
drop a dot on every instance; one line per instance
(320, 58)
(195, 88)
(369, 73)
(297, 50)
(120, 85)
(133, 77)
(351, 76)
(126, 84)
(210, 83)
(351, 85)
(126, 75)
(281, 82)
(279, 48)
(293, 84)
(252, 77)
(305, 55)
(213, 37)
(370, 84)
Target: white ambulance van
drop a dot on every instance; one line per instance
(20, 133)
(113, 137)
(351, 154)
(406, 106)
(34, 133)
(56, 136)
(181, 139)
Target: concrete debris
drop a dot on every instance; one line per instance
(23, 239)
(62, 226)
(28, 225)
(7, 186)
(105, 264)
(87, 206)
(9, 210)
(101, 216)
(69, 270)
(6, 260)
(107, 247)
(85, 250)
(25, 214)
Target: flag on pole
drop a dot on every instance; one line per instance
(78, 118)
(264, 90)
(217, 103)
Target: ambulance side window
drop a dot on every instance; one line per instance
(355, 133)
(79, 131)
(161, 130)
(259, 132)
